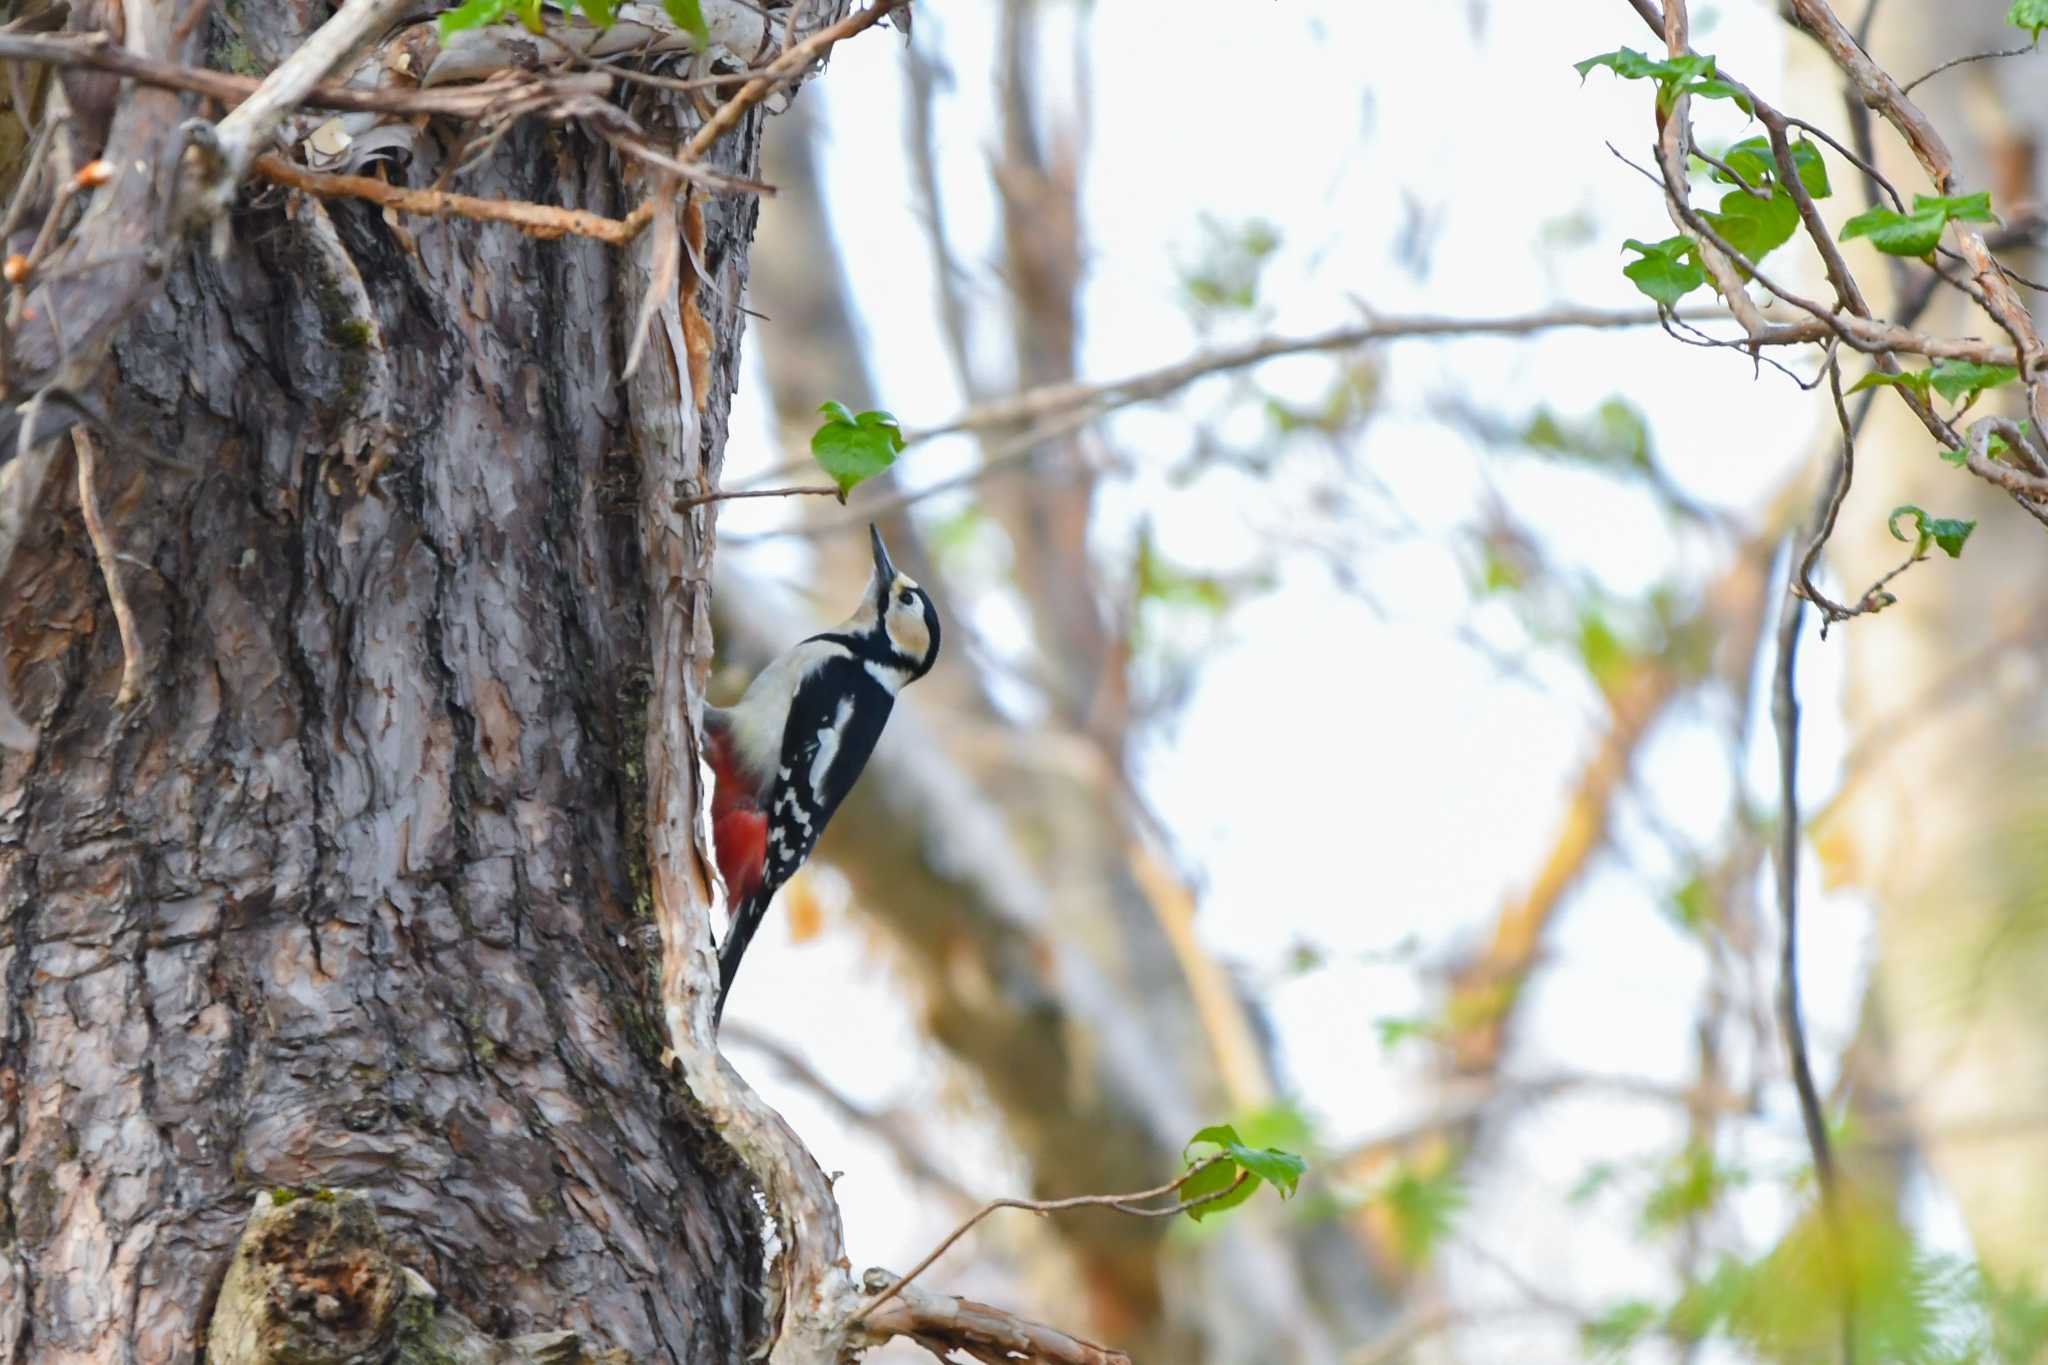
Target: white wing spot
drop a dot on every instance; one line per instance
(828, 748)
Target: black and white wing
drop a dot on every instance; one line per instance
(834, 721)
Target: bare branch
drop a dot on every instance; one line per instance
(1122, 1203)
(133, 662)
(544, 221)
(800, 490)
(1953, 62)
(1110, 395)
(793, 62)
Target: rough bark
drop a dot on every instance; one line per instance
(356, 897)
(314, 1280)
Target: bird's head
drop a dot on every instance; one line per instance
(897, 623)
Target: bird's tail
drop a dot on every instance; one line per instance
(745, 920)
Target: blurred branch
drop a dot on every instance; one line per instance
(1109, 395)
(1785, 718)
(1411, 1331)
(1058, 409)
(1484, 994)
(884, 1124)
(1240, 1060)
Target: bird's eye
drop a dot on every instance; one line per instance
(904, 597)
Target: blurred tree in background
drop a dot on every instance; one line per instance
(1379, 610)
(1515, 1193)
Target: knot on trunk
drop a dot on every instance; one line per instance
(313, 1282)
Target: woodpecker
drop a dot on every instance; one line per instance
(784, 756)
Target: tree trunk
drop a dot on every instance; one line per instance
(357, 895)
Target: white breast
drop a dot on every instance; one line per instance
(759, 718)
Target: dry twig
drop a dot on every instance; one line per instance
(1123, 1203)
(133, 662)
(544, 221)
(793, 62)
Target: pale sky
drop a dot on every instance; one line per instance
(1405, 784)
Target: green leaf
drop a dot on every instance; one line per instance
(2031, 15)
(1812, 169)
(1993, 448)
(1693, 1185)
(1282, 1170)
(1691, 74)
(1693, 904)
(1619, 1328)
(1164, 583)
(2018, 1317)
(688, 15)
(1667, 271)
(1753, 160)
(1617, 437)
(1714, 88)
(1214, 1180)
(1897, 234)
(1597, 1177)
(600, 11)
(473, 14)
(1216, 1134)
(1966, 208)
(1949, 533)
(853, 448)
(1755, 227)
(1394, 1031)
(1279, 1125)
(1422, 1207)
(1915, 380)
(1918, 232)
(1954, 379)
(1602, 651)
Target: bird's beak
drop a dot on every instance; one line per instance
(885, 572)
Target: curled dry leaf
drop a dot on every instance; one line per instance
(696, 330)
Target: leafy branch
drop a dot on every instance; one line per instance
(1221, 1179)
(1776, 180)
